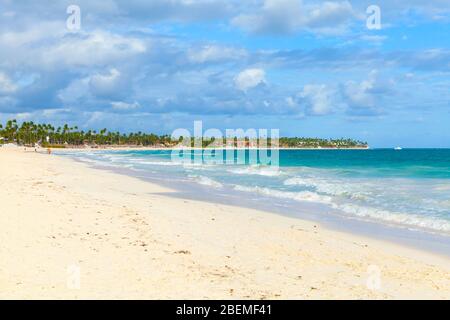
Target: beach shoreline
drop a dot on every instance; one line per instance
(119, 230)
(148, 148)
(422, 239)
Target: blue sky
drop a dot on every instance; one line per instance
(309, 68)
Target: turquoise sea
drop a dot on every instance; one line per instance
(408, 188)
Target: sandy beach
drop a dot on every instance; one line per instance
(69, 231)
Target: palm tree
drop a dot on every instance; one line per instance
(30, 133)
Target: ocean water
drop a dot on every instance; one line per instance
(407, 188)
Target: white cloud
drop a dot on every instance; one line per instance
(7, 86)
(373, 38)
(214, 53)
(364, 97)
(317, 99)
(288, 16)
(46, 30)
(275, 16)
(250, 78)
(291, 102)
(330, 17)
(358, 94)
(122, 65)
(105, 84)
(48, 45)
(96, 48)
(7, 104)
(75, 91)
(120, 105)
(176, 10)
(50, 113)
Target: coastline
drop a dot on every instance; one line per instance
(211, 191)
(120, 230)
(135, 148)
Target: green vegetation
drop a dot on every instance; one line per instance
(29, 133)
(322, 143)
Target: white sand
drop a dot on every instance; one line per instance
(129, 239)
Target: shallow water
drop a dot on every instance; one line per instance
(409, 188)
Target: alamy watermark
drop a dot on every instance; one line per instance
(373, 278)
(73, 277)
(235, 146)
(373, 21)
(73, 22)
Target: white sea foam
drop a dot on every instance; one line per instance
(410, 220)
(257, 170)
(206, 181)
(115, 164)
(296, 182)
(356, 191)
(157, 163)
(445, 187)
(298, 196)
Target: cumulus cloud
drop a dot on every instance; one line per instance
(29, 35)
(123, 106)
(434, 59)
(123, 61)
(131, 11)
(175, 10)
(330, 17)
(317, 99)
(94, 48)
(275, 16)
(7, 104)
(99, 90)
(7, 86)
(215, 53)
(75, 92)
(365, 97)
(289, 16)
(49, 46)
(105, 84)
(314, 100)
(250, 78)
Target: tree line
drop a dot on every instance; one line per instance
(47, 135)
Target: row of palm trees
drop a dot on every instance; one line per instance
(30, 133)
(322, 143)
